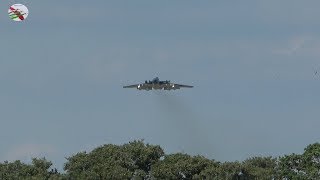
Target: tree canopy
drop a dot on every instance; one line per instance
(137, 160)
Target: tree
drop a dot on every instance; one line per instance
(137, 161)
(290, 166)
(132, 160)
(260, 168)
(230, 170)
(311, 161)
(38, 169)
(301, 166)
(181, 166)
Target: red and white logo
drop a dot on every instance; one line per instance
(18, 12)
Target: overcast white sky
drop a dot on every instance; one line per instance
(252, 64)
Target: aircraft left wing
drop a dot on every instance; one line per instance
(183, 86)
(178, 86)
(131, 86)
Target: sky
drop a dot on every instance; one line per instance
(253, 65)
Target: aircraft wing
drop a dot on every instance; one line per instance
(182, 86)
(131, 86)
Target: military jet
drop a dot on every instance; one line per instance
(156, 84)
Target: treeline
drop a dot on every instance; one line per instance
(138, 160)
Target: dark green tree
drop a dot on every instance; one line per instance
(291, 167)
(132, 160)
(38, 169)
(311, 161)
(137, 161)
(301, 166)
(230, 170)
(183, 166)
(259, 168)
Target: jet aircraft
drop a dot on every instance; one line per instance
(156, 84)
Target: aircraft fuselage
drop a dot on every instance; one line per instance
(156, 84)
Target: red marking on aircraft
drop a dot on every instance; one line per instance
(16, 12)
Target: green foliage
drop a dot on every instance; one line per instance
(311, 161)
(229, 170)
(138, 161)
(114, 162)
(181, 166)
(260, 168)
(39, 169)
(304, 166)
(290, 166)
